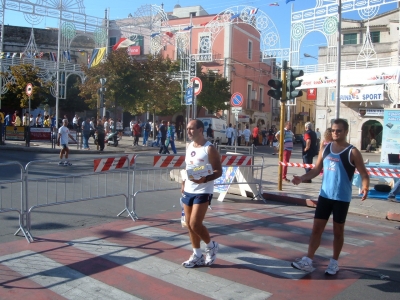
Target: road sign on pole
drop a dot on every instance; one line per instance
(29, 89)
(198, 85)
(189, 96)
(237, 99)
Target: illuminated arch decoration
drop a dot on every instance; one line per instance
(323, 18)
(269, 35)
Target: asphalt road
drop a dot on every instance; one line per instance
(254, 235)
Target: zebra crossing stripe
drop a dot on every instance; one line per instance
(216, 287)
(60, 279)
(288, 228)
(269, 264)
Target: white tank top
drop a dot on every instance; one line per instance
(196, 157)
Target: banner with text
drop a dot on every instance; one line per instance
(361, 93)
(351, 77)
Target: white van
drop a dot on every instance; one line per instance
(219, 126)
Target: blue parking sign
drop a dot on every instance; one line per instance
(189, 96)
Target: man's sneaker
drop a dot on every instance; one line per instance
(67, 163)
(60, 163)
(332, 268)
(194, 261)
(304, 264)
(391, 196)
(211, 254)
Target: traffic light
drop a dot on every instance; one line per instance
(293, 83)
(276, 88)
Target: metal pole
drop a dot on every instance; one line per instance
(282, 121)
(58, 65)
(339, 59)
(1, 51)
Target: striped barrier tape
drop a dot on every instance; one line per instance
(379, 172)
(113, 163)
(175, 161)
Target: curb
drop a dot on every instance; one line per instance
(393, 216)
(287, 198)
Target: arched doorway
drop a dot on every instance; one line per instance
(180, 126)
(371, 129)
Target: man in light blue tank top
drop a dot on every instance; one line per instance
(339, 161)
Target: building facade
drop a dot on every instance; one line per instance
(369, 77)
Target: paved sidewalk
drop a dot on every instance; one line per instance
(304, 194)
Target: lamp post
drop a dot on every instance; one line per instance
(309, 56)
(101, 92)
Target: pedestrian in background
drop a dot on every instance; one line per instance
(246, 135)
(171, 136)
(163, 132)
(239, 135)
(101, 135)
(264, 136)
(62, 140)
(255, 136)
(287, 147)
(309, 146)
(229, 134)
(136, 133)
(86, 133)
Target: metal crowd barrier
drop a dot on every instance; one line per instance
(248, 150)
(111, 178)
(160, 173)
(13, 196)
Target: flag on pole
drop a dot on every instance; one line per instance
(287, 1)
(204, 24)
(8, 55)
(253, 11)
(235, 16)
(154, 34)
(187, 28)
(170, 34)
(274, 4)
(67, 56)
(14, 54)
(123, 43)
(97, 56)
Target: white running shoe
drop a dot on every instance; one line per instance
(211, 254)
(67, 163)
(194, 261)
(304, 264)
(333, 268)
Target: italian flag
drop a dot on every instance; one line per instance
(123, 43)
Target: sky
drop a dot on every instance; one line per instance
(279, 14)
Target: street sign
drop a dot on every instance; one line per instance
(198, 85)
(236, 109)
(189, 96)
(237, 99)
(29, 89)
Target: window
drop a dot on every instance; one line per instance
(248, 95)
(192, 14)
(250, 50)
(376, 37)
(204, 43)
(113, 41)
(350, 39)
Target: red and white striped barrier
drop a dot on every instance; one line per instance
(308, 166)
(236, 160)
(112, 163)
(168, 161)
(379, 172)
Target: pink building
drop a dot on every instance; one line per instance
(234, 52)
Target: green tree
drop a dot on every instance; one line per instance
(215, 92)
(16, 96)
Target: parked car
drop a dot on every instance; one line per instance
(298, 138)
